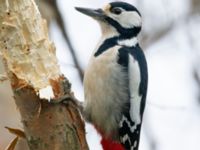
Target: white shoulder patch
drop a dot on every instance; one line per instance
(134, 83)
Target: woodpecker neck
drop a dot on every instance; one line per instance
(113, 29)
(111, 34)
(109, 42)
(132, 42)
(112, 37)
(125, 33)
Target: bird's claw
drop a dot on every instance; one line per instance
(66, 99)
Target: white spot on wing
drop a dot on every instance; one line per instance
(125, 138)
(132, 148)
(124, 119)
(135, 144)
(134, 83)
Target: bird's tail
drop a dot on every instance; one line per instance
(108, 144)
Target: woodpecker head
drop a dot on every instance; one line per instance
(121, 18)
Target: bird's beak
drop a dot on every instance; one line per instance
(94, 13)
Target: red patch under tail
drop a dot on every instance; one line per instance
(110, 145)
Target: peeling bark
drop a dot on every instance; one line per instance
(31, 65)
(54, 14)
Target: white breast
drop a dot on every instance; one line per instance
(106, 90)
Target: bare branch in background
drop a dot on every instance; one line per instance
(195, 7)
(148, 40)
(197, 80)
(53, 13)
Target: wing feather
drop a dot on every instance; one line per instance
(134, 62)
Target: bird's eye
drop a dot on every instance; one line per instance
(116, 11)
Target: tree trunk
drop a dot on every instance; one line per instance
(31, 65)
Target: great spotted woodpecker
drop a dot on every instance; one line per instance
(115, 81)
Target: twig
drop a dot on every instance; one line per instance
(197, 79)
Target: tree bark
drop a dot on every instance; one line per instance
(31, 65)
(54, 14)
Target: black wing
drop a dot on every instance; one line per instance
(129, 130)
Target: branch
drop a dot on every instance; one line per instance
(31, 65)
(196, 76)
(148, 40)
(195, 7)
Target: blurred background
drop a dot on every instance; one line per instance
(171, 41)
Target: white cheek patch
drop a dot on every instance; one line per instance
(127, 19)
(133, 18)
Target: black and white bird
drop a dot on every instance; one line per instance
(115, 81)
